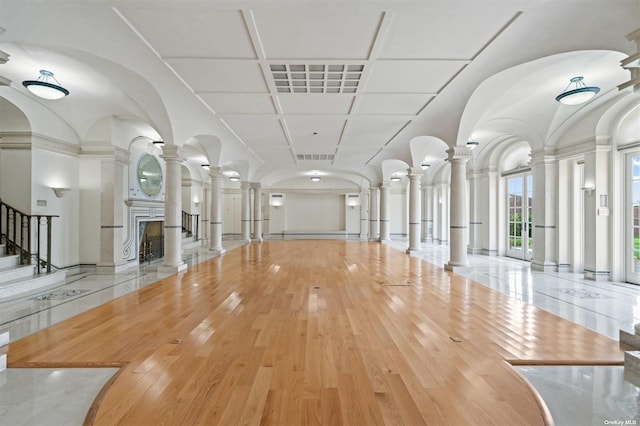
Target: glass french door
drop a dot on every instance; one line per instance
(519, 220)
(633, 218)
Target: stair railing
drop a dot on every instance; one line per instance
(18, 230)
(190, 224)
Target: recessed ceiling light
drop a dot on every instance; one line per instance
(315, 178)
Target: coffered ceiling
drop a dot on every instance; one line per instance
(315, 84)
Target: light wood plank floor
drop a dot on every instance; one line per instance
(315, 332)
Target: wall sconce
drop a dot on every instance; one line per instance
(60, 191)
(277, 200)
(588, 189)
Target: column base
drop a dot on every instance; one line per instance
(172, 269)
(456, 266)
(374, 240)
(256, 240)
(564, 267)
(412, 251)
(217, 252)
(112, 268)
(473, 250)
(544, 266)
(489, 252)
(596, 275)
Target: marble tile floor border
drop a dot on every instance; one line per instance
(580, 395)
(52, 396)
(610, 307)
(25, 314)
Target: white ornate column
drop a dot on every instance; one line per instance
(492, 212)
(246, 211)
(112, 196)
(458, 157)
(364, 215)
(385, 212)
(266, 225)
(597, 221)
(172, 211)
(428, 214)
(415, 174)
(205, 214)
(475, 215)
(545, 190)
(257, 211)
(374, 225)
(215, 222)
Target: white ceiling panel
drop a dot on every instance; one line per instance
(209, 32)
(392, 103)
(411, 76)
(239, 103)
(209, 75)
(317, 32)
(302, 129)
(370, 131)
(444, 30)
(300, 103)
(257, 130)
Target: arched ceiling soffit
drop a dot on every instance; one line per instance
(97, 87)
(304, 172)
(521, 100)
(515, 155)
(237, 167)
(627, 127)
(488, 153)
(12, 119)
(393, 167)
(427, 149)
(42, 120)
(440, 173)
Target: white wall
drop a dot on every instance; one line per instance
(398, 211)
(314, 212)
(89, 186)
(231, 212)
(49, 170)
(15, 178)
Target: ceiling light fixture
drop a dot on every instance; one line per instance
(43, 89)
(158, 143)
(234, 178)
(577, 92)
(315, 178)
(396, 179)
(205, 166)
(472, 144)
(425, 166)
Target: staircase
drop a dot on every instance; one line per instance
(24, 267)
(17, 279)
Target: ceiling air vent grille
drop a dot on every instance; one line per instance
(316, 157)
(318, 78)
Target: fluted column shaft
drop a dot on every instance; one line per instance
(215, 222)
(173, 210)
(458, 157)
(415, 174)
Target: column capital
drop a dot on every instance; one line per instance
(384, 185)
(172, 153)
(245, 185)
(459, 154)
(215, 172)
(415, 172)
(543, 157)
(256, 185)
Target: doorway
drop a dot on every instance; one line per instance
(151, 241)
(519, 219)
